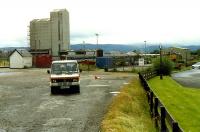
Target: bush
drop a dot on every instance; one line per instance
(166, 68)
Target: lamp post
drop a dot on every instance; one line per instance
(97, 35)
(145, 45)
(186, 50)
(161, 77)
(84, 49)
(84, 45)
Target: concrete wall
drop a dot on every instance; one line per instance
(184, 53)
(53, 33)
(60, 30)
(40, 34)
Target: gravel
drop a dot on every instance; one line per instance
(27, 105)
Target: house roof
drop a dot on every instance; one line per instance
(22, 52)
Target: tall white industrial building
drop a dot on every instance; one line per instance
(52, 34)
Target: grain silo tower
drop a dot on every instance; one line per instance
(51, 34)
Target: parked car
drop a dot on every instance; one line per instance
(196, 65)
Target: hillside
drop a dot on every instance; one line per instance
(114, 47)
(126, 48)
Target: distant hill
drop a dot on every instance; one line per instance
(126, 48)
(192, 47)
(113, 47)
(13, 48)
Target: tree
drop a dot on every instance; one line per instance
(166, 68)
(155, 52)
(198, 52)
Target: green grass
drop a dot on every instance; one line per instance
(4, 62)
(183, 103)
(129, 111)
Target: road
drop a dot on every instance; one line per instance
(190, 78)
(27, 105)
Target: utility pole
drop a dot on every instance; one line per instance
(97, 37)
(161, 76)
(84, 49)
(186, 50)
(84, 45)
(145, 45)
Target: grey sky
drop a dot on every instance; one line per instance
(117, 21)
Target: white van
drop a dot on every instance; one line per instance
(64, 74)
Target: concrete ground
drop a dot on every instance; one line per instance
(190, 78)
(26, 104)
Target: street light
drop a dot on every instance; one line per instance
(161, 77)
(84, 45)
(145, 45)
(84, 49)
(186, 50)
(97, 35)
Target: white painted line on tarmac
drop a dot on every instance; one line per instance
(98, 85)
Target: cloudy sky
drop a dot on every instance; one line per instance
(116, 21)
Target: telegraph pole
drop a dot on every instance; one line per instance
(97, 36)
(145, 46)
(161, 76)
(84, 45)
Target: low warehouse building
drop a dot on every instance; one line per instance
(20, 58)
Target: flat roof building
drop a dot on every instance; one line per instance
(52, 33)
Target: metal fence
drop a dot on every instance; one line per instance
(163, 120)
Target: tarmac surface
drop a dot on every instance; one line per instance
(190, 78)
(26, 104)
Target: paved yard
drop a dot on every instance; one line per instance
(26, 104)
(190, 78)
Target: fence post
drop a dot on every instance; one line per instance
(148, 96)
(156, 111)
(156, 107)
(162, 120)
(174, 127)
(151, 103)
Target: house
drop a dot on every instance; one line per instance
(20, 58)
(177, 54)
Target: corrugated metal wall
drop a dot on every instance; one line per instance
(42, 61)
(104, 62)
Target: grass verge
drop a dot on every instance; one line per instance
(183, 103)
(129, 111)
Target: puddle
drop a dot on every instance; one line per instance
(7, 73)
(50, 104)
(98, 85)
(2, 130)
(115, 93)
